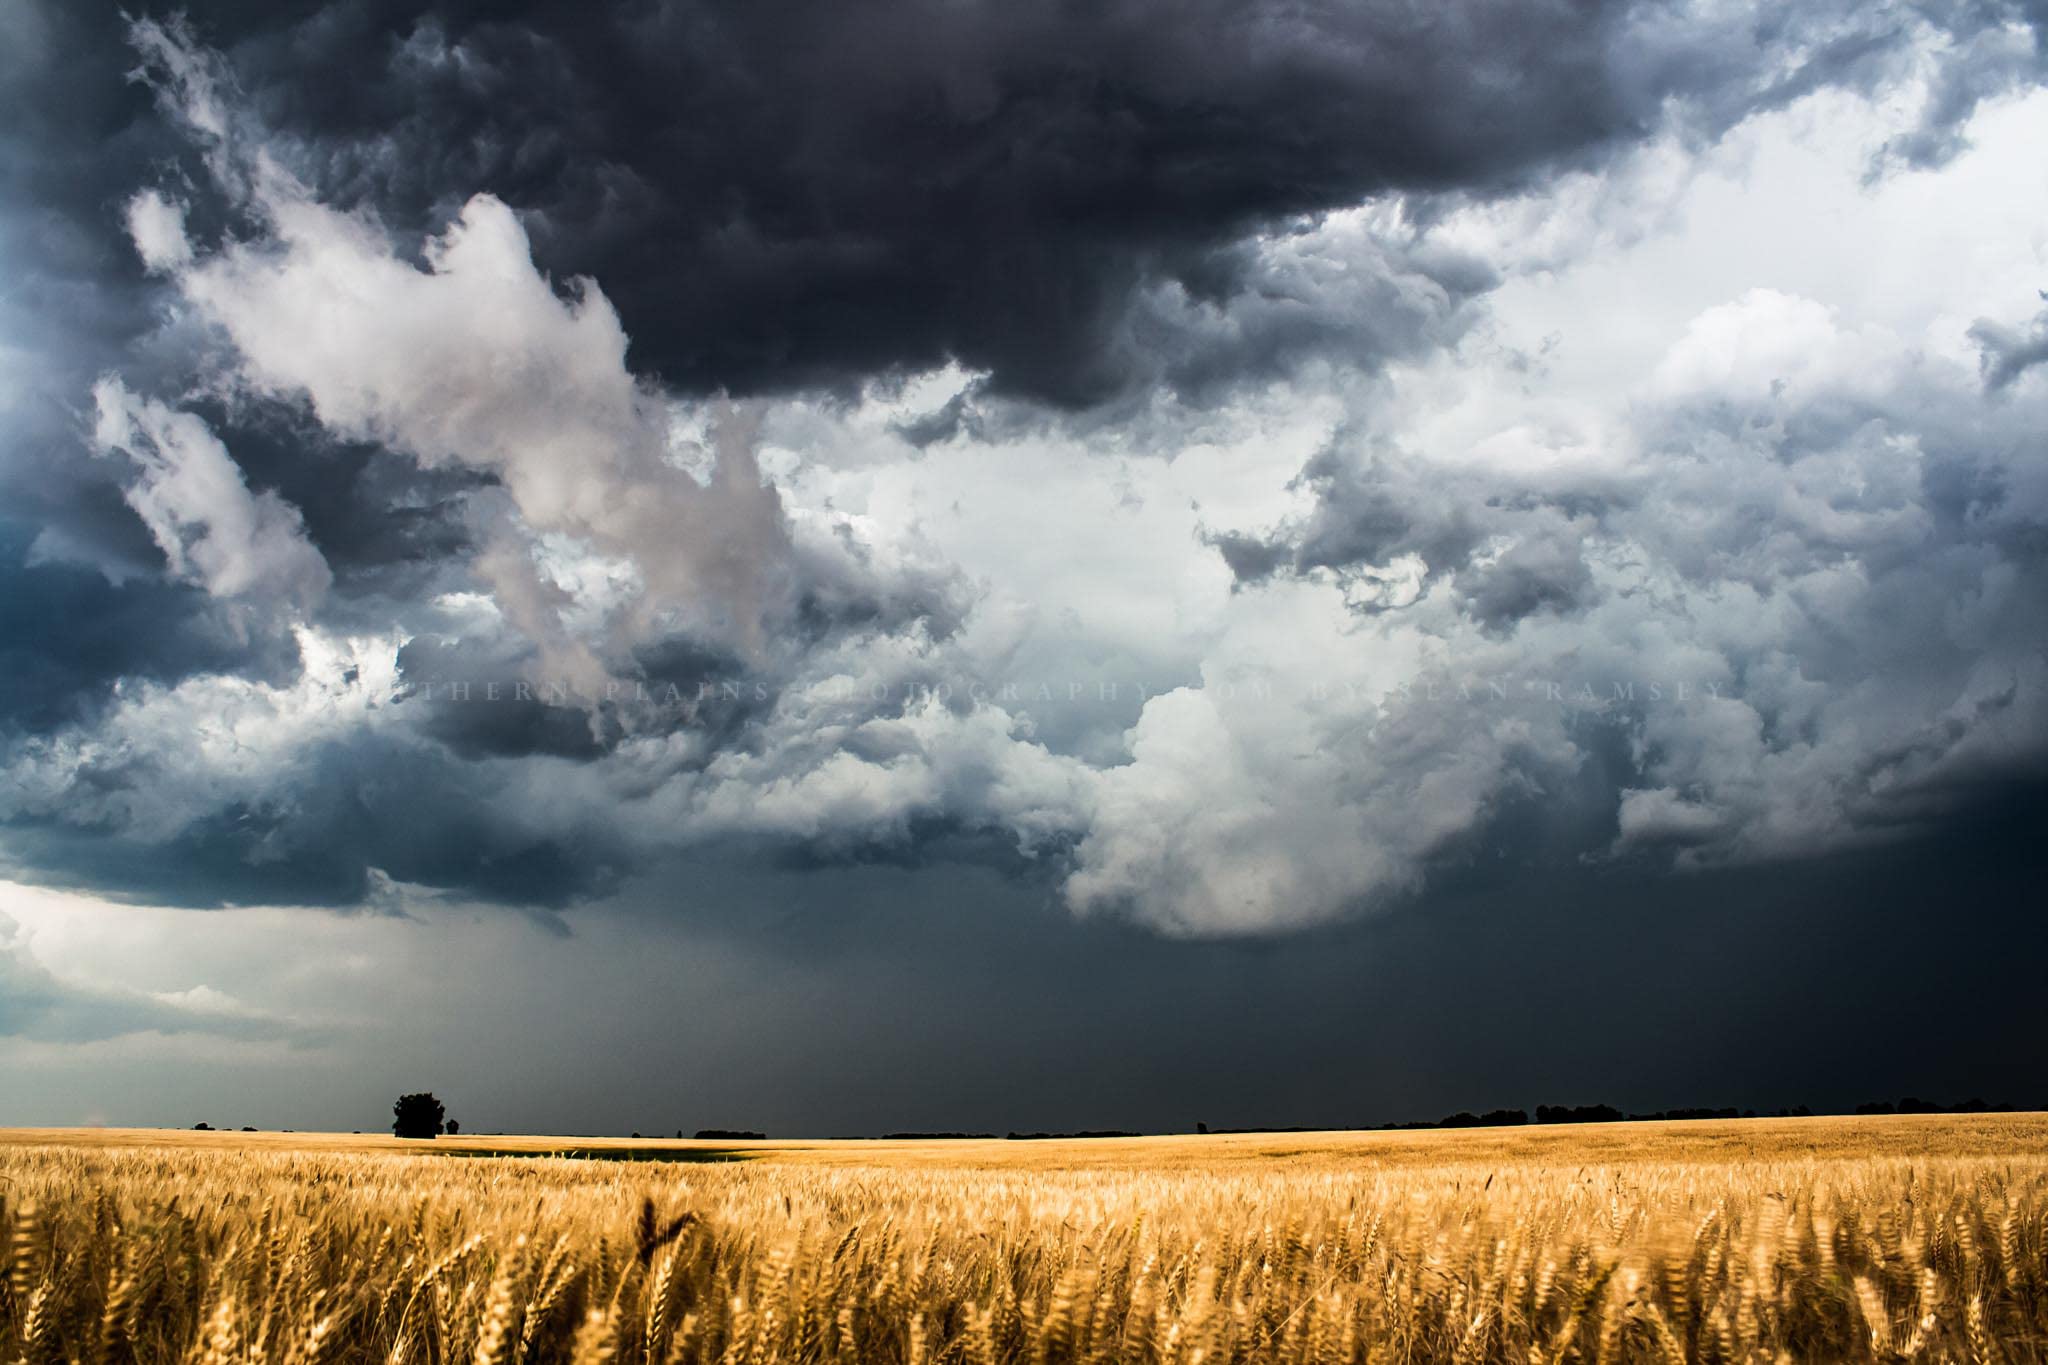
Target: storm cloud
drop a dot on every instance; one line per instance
(1232, 464)
(803, 195)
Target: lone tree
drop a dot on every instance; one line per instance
(417, 1116)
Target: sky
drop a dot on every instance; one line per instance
(934, 565)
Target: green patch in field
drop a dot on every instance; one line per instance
(657, 1154)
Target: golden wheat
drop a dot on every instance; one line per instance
(1760, 1244)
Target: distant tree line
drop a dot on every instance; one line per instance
(1607, 1113)
(1085, 1133)
(1492, 1118)
(930, 1137)
(1911, 1105)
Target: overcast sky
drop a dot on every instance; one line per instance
(841, 567)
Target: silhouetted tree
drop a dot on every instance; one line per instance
(453, 1128)
(417, 1116)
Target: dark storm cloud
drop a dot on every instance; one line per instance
(955, 417)
(1371, 507)
(2009, 353)
(805, 194)
(83, 604)
(68, 635)
(1822, 524)
(476, 722)
(1365, 514)
(1730, 461)
(1543, 570)
(476, 695)
(778, 196)
(385, 526)
(79, 138)
(326, 828)
(1987, 58)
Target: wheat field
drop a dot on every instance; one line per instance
(1822, 1239)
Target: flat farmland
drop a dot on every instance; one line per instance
(1813, 1239)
